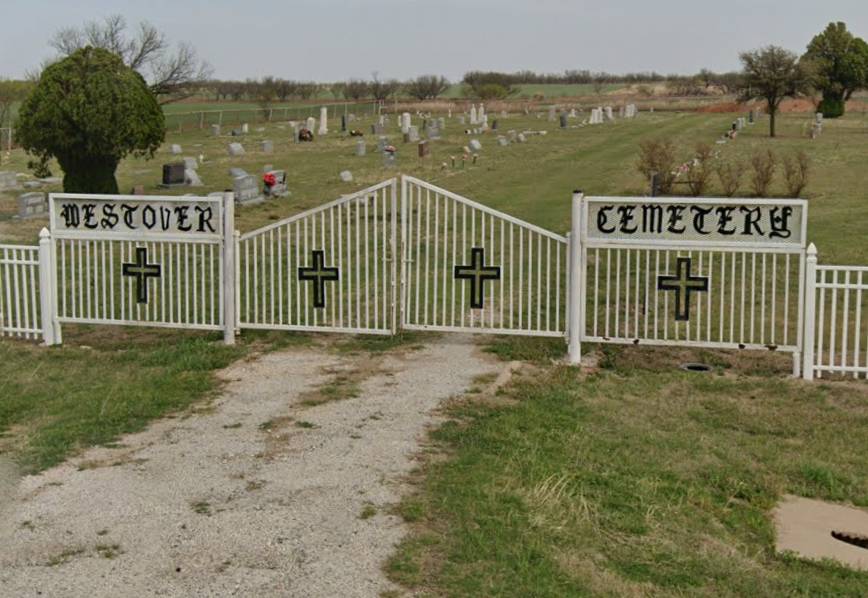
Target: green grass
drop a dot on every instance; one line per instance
(634, 481)
(58, 400)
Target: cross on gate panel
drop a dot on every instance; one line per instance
(683, 284)
(141, 271)
(477, 273)
(318, 274)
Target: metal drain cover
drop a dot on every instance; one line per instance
(695, 367)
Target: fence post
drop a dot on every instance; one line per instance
(46, 293)
(237, 282)
(574, 277)
(810, 313)
(229, 268)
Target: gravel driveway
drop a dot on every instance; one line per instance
(258, 494)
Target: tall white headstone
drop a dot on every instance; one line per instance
(473, 114)
(480, 115)
(323, 121)
(405, 122)
(310, 124)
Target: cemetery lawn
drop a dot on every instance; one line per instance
(639, 479)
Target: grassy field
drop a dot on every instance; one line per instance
(637, 479)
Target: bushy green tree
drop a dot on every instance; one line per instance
(89, 111)
(840, 62)
(772, 74)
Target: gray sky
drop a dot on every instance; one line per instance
(329, 40)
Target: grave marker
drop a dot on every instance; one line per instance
(32, 204)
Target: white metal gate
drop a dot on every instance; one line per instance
(139, 260)
(331, 268)
(20, 292)
(469, 268)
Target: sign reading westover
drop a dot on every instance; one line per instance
(135, 217)
(683, 221)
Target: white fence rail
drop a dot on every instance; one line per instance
(329, 269)
(448, 239)
(836, 340)
(20, 292)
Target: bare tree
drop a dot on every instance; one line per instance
(171, 73)
(426, 87)
(383, 90)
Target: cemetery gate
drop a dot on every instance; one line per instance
(718, 273)
(140, 260)
(696, 272)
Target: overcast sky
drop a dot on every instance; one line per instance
(329, 40)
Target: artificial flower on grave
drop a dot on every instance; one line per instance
(269, 179)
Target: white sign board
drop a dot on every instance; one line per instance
(696, 222)
(136, 217)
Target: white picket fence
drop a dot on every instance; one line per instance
(836, 338)
(25, 290)
(428, 259)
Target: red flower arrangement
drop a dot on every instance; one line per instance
(269, 179)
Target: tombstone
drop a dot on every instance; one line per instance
(441, 122)
(267, 147)
(819, 118)
(405, 122)
(413, 134)
(8, 180)
(572, 113)
(382, 142)
(31, 205)
(236, 149)
(750, 117)
(502, 141)
(245, 129)
(215, 130)
(378, 129)
(246, 190)
(176, 149)
(563, 119)
(310, 123)
(235, 172)
(474, 145)
(521, 138)
(461, 119)
(389, 159)
(481, 117)
(433, 130)
(267, 168)
(346, 176)
(494, 125)
(473, 120)
(609, 115)
(621, 111)
(552, 113)
(278, 187)
(361, 148)
(343, 123)
(173, 174)
(323, 121)
(191, 178)
(424, 149)
(191, 163)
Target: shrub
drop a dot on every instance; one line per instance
(796, 171)
(831, 107)
(657, 156)
(763, 164)
(729, 174)
(699, 173)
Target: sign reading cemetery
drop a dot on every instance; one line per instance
(707, 222)
(136, 217)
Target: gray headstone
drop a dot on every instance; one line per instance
(191, 177)
(474, 145)
(246, 189)
(176, 149)
(235, 172)
(346, 176)
(413, 134)
(502, 141)
(236, 149)
(267, 147)
(361, 148)
(382, 142)
(278, 189)
(31, 205)
(191, 163)
(8, 180)
(215, 130)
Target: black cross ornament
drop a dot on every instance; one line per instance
(683, 284)
(142, 271)
(318, 274)
(477, 273)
